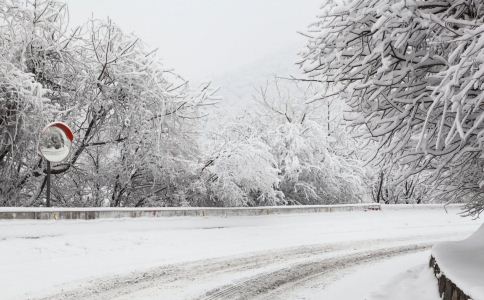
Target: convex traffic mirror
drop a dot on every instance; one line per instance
(55, 142)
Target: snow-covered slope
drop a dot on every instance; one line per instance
(463, 263)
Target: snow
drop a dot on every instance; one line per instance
(416, 283)
(463, 263)
(76, 209)
(41, 258)
(401, 278)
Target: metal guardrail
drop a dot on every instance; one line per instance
(23, 213)
(447, 289)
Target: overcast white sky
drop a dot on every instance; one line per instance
(203, 39)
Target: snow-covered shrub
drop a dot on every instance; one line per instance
(411, 71)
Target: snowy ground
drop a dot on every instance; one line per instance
(303, 256)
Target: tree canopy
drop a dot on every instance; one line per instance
(132, 117)
(411, 72)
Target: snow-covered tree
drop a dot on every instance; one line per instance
(412, 73)
(133, 118)
(387, 188)
(288, 149)
(241, 170)
(318, 160)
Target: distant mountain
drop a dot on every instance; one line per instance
(238, 87)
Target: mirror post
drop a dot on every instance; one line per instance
(54, 146)
(47, 203)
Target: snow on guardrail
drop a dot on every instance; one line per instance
(459, 267)
(420, 206)
(54, 213)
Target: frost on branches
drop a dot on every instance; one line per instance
(133, 119)
(241, 170)
(412, 73)
(319, 162)
(284, 151)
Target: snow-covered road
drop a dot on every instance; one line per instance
(267, 257)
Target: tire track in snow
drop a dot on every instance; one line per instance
(336, 256)
(116, 286)
(262, 284)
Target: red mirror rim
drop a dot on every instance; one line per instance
(63, 126)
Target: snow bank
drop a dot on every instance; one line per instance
(462, 262)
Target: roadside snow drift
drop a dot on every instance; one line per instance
(463, 263)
